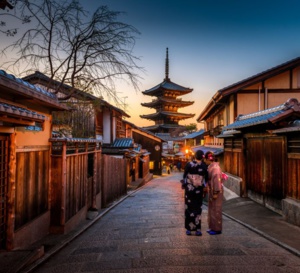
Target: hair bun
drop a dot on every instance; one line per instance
(199, 155)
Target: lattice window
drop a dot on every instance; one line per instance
(293, 144)
(233, 143)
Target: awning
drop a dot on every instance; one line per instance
(215, 150)
(229, 133)
(167, 155)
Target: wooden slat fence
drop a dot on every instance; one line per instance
(234, 159)
(293, 166)
(32, 184)
(293, 178)
(114, 179)
(75, 177)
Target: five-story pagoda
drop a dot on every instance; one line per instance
(166, 104)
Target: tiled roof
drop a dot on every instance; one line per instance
(22, 90)
(256, 118)
(221, 94)
(168, 85)
(215, 150)
(141, 129)
(168, 137)
(163, 126)
(293, 127)
(13, 110)
(67, 139)
(282, 67)
(66, 89)
(123, 143)
(31, 86)
(164, 100)
(195, 134)
(169, 114)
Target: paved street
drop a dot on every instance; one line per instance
(145, 233)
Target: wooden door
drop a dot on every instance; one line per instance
(265, 166)
(274, 165)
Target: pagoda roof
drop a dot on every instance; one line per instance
(169, 137)
(163, 126)
(164, 100)
(167, 85)
(159, 115)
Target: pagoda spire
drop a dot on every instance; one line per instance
(166, 116)
(167, 66)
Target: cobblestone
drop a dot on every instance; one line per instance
(145, 234)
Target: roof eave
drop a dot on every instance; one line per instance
(212, 104)
(261, 76)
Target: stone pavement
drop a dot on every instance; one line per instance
(144, 232)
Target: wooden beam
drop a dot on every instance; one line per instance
(17, 121)
(11, 194)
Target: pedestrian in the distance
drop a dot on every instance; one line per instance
(194, 176)
(179, 166)
(215, 194)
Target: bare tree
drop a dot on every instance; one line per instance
(7, 16)
(73, 47)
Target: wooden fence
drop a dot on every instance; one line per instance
(51, 188)
(27, 191)
(82, 179)
(31, 185)
(75, 181)
(114, 178)
(259, 162)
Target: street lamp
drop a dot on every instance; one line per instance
(187, 154)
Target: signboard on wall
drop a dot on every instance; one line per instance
(170, 144)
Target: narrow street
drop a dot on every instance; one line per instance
(145, 233)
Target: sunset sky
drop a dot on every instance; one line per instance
(212, 44)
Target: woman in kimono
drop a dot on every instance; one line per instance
(215, 194)
(194, 176)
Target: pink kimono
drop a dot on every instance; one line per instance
(215, 197)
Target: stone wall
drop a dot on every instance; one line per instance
(234, 183)
(267, 201)
(291, 211)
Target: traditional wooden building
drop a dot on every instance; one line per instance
(25, 130)
(149, 141)
(92, 120)
(166, 104)
(194, 139)
(91, 117)
(51, 182)
(263, 149)
(256, 93)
